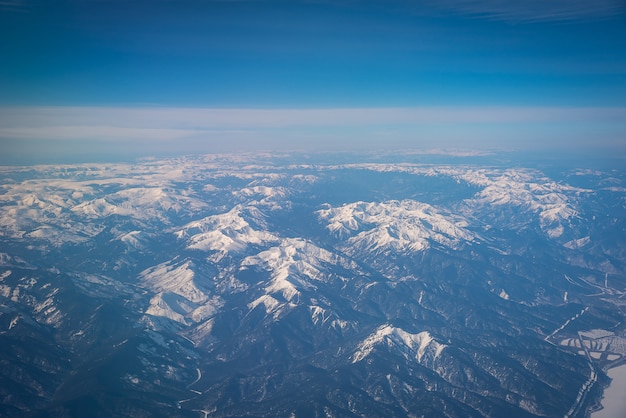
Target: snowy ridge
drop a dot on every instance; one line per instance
(303, 179)
(272, 197)
(181, 310)
(421, 346)
(577, 244)
(58, 236)
(179, 279)
(181, 294)
(169, 307)
(321, 316)
(27, 213)
(554, 203)
(403, 226)
(134, 239)
(226, 232)
(69, 206)
(143, 203)
(295, 266)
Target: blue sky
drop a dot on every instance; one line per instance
(75, 74)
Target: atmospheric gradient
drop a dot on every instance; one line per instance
(83, 80)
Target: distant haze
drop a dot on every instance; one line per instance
(71, 133)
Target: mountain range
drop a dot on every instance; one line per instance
(308, 285)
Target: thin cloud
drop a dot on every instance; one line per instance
(507, 10)
(531, 10)
(199, 119)
(114, 122)
(28, 130)
(13, 5)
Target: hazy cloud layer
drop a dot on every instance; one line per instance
(212, 118)
(27, 131)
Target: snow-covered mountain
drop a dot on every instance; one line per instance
(421, 346)
(232, 231)
(280, 285)
(401, 226)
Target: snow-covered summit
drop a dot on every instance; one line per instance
(529, 191)
(145, 203)
(401, 226)
(421, 346)
(177, 277)
(182, 291)
(294, 265)
(555, 204)
(268, 196)
(231, 231)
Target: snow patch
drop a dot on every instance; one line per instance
(179, 279)
(134, 239)
(14, 322)
(269, 303)
(577, 244)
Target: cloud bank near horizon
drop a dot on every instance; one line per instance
(28, 131)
